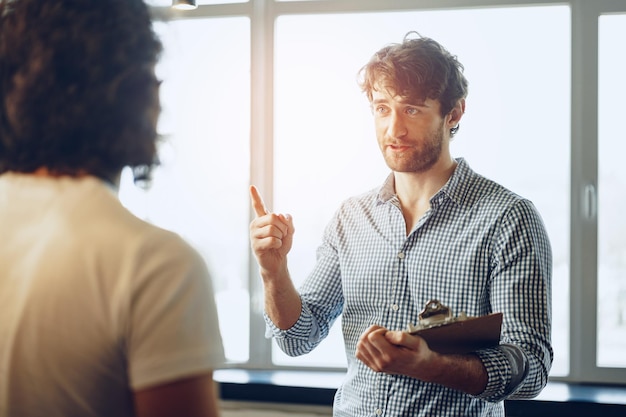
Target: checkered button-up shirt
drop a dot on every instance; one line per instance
(479, 249)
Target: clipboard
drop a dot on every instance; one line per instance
(462, 334)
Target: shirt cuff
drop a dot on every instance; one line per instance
(507, 368)
(499, 374)
(301, 330)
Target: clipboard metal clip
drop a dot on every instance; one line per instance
(435, 314)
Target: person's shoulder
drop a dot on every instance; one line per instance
(489, 196)
(114, 221)
(159, 248)
(364, 201)
(367, 196)
(489, 188)
(150, 238)
(478, 189)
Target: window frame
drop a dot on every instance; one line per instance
(584, 178)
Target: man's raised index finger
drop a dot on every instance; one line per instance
(257, 202)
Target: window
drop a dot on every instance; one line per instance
(518, 97)
(611, 341)
(200, 191)
(532, 124)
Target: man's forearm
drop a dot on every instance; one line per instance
(282, 301)
(461, 372)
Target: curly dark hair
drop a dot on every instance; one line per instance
(79, 93)
(417, 69)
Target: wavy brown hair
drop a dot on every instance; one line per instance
(77, 86)
(419, 68)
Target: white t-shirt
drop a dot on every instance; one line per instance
(93, 301)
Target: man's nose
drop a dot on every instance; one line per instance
(396, 127)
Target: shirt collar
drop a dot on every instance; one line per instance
(388, 189)
(459, 184)
(455, 189)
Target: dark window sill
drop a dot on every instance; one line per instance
(318, 389)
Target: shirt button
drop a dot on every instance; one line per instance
(394, 307)
(401, 255)
(379, 412)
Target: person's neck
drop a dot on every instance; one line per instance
(415, 189)
(44, 172)
(114, 181)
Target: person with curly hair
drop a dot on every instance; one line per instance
(102, 313)
(434, 230)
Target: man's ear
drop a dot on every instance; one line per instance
(454, 117)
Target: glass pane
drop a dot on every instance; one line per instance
(205, 121)
(611, 341)
(516, 130)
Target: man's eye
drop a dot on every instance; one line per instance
(380, 110)
(412, 111)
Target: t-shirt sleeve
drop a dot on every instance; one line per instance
(172, 324)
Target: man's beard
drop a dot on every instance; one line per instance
(421, 159)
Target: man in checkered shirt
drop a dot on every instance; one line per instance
(434, 230)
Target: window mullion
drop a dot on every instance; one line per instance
(584, 172)
(262, 158)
